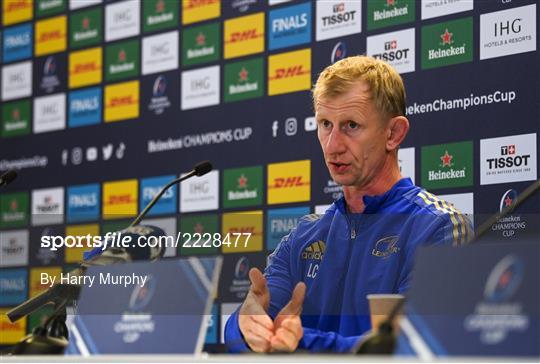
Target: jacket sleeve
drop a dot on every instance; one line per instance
(452, 228)
(322, 341)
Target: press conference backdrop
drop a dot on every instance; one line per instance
(104, 102)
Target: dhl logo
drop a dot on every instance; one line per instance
(85, 67)
(7, 326)
(191, 4)
(236, 37)
(289, 72)
(120, 101)
(48, 36)
(282, 182)
(18, 5)
(120, 199)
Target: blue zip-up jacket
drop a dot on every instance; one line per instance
(343, 257)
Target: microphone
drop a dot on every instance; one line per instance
(199, 170)
(8, 177)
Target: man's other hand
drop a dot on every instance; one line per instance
(287, 325)
(255, 324)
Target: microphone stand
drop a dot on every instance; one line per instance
(52, 337)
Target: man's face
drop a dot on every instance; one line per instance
(352, 135)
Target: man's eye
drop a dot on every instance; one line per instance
(352, 125)
(326, 124)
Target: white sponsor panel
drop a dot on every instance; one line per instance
(200, 193)
(396, 48)
(508, 32)
(49, 113)
(463, 202)
(169, 226)
(200, 87)
(77, 4)
(321, 209)
(48, 206)
(434, 8)
(160, 53)
(122, 20)
(337, 18)
(275, 2)
(13, 248)
(17, 81)
(406, 162)
(508, 159)
(227, 309)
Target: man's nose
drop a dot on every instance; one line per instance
(335, 143)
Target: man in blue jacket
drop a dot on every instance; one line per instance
(313, 293)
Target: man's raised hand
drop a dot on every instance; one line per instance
(287, 325)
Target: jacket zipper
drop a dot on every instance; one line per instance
(351, 228)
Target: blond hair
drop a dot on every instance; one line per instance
(385, 83)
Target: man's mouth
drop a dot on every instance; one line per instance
(339, 167)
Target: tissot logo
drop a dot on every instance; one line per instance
(17, 43)
(508, 159)
(122, 20)
(48, 206)
(160, 53)
(338, 18)
(508, 32)
(49, 113)
(200, 87)
(290, 26)
(17, 81)
(14, 248)
(396, 48)
(201, 193)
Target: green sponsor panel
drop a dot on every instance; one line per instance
(39, 317)
(447, 165)
(16, 118)
(85, 28)
(159, 14)
(14, 209)
(122, 60)
(201, 44)
(50, 7)
(201, 224)
(447, 43)
(242, 186)
(385, 13)
(243, 80)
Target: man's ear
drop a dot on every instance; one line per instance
(398, 127)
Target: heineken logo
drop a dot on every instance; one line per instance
(122, 56)
(447, 43)
(245, 193)
(201, 50)
(86, 32)
(243, 80)
(85, 23)
(392, 10)
(447, 165)
(160, 6)
(16, 114)
(243, 84)
(161, 18)
(446, 159)
(198, 228)
(124, 66)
